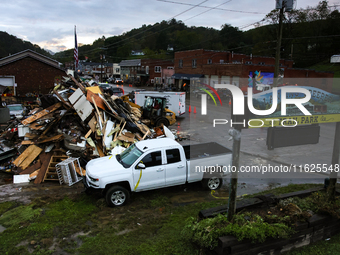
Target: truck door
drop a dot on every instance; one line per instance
(153, 176)
(176, 172)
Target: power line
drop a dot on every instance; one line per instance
(208, 10)
(150, 27)
(222, 9)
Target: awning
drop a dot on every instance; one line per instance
(184, 76)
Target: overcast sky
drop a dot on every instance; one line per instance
(50, 24)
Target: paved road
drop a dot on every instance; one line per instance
(254, 151)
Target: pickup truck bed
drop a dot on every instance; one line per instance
(204, 150)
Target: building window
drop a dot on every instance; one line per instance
(117, 70)
(180, 63)
(147, 70)
(158, 69)
(248, 62)
(261, 63)
(221, 61)
(209, 61)
(170, 67)
(194, 63)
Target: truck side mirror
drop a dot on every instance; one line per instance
(141, 166)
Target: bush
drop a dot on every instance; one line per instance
(244, 226)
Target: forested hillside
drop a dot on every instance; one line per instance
(10, 44)
(310, 36)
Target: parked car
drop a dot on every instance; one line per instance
(156, 163)
(111, 90)
(119, 81)
(16, 111)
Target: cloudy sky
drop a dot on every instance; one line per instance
(50, 24)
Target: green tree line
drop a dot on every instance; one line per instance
(310, 35)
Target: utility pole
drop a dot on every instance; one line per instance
(278, 46)
(102, 57)
(236, 134)
(101, 67)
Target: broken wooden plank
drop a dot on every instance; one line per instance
(92, 124)
(52, 139)
(99, 102)
(77, 83)
(32, 168)
(29, 159)
(34, 174)
(33, 111)
(27, 142)
(88, 134)
(126, 138)
(145, 134)
(100, 117)
(100, 151)
(67, 104)
(45, 160)
(41, 113)
(108, 105)
(31, 136)
(24, 155)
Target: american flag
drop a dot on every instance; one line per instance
(76, 59)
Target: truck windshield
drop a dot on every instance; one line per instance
(129, 156)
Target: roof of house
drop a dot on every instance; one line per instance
(29, 53)
(130, 62)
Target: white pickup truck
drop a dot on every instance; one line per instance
(156, 163)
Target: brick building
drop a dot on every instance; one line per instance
(230, 68)
(145, 71)
(33, 72)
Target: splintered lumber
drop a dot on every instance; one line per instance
(41, 113)
(27, 142)
(32, 168)
(77, 83)
(35, 153)
(45, 159)
(100, 151)
(67, 104)
(36, 126)
(92, 123)
(31, 136)
(126, 138)
(52, 139)
(108, 105)
(95, 105)
(145, 134)
(34, 174)
(25, 154)
(99, 102)
(88, 134)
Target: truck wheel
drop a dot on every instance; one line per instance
(161, 121)
(117, 196)
(212, 183)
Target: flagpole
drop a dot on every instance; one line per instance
(75, 55)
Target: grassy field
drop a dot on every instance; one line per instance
(85, 225)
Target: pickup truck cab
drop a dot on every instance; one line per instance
(153, 164)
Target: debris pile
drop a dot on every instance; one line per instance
(74, 121)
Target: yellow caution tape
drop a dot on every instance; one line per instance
(213, 192)
(140, 176)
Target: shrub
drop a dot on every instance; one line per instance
(244, 226)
